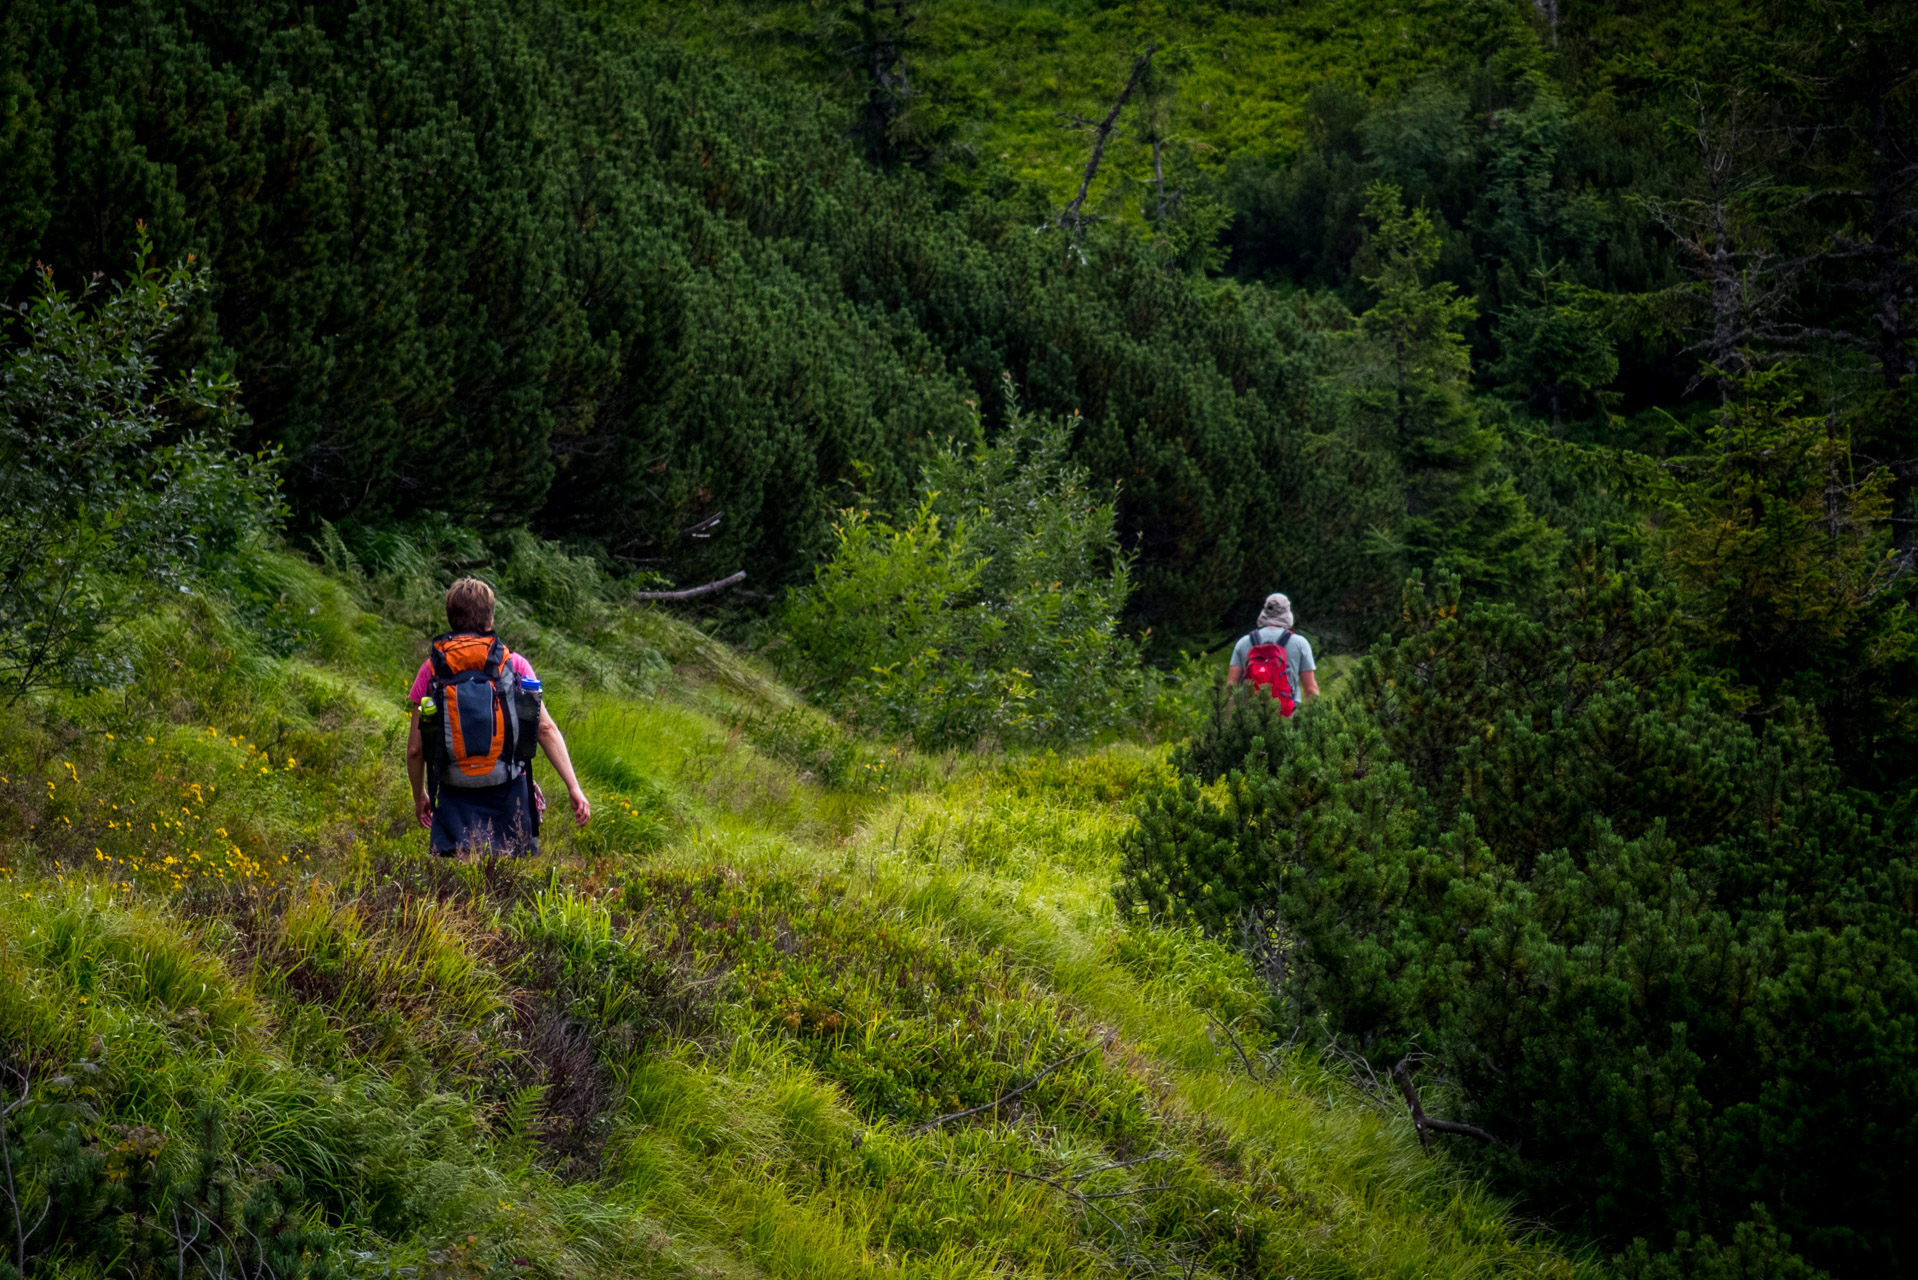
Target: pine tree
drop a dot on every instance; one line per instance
(1462, 512)
(1556, 355)
(508, 262)
(1781, 539)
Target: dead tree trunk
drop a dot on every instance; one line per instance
(1158, 173)
(1894, 281)
(1074, 218)
(1548, 10)
(690, 593)
(1744, 285)
(880, 53)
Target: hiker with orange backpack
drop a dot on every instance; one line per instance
(1275, 657)
(478, 720)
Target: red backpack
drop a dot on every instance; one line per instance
(1265, 664)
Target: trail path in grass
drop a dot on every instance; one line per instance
(1007, 866)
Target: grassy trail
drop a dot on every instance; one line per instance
(714, 1034)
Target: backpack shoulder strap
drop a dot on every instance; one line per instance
(441, 672)
(496, 658)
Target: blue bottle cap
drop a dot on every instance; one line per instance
(529, 683)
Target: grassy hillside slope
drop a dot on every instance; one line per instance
(711, 1035)
(1013, 72)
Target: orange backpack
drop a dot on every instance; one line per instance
(480, 740)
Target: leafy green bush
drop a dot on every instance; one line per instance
(993, 612)
(114, 481)
(1659, 953)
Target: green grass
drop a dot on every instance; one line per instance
(714, 1034)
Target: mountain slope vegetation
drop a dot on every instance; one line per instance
(715, 1033)
(965, 368)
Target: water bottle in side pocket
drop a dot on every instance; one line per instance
(528, 705)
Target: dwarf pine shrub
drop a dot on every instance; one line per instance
(1638, 934)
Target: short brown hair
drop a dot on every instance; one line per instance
(469, 605)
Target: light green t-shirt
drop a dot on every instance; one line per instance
(1298, 652)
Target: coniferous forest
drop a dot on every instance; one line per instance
(945, 912)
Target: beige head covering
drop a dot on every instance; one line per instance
(1277, 612)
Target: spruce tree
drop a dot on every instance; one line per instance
(1779, 535)
(1556, 354)
(1463, 515)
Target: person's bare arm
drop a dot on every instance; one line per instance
(416, 772)
(1234, 673)
(553, 743)
(1309, 684)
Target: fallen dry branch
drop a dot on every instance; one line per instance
(1117, 1164)
(1008, 1096)
(705, 589)
(1084, 1199)
(20, 1234)
(1238, 1048)
(1428, 1125)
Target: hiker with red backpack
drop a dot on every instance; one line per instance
(1275, 657)
(478, 720)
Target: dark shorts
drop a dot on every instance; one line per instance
(497, 820)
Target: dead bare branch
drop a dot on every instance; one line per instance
(1074, 218)
(1233, 1038)
(6, 1156)
(1360, 1075)
(1061, 1188)
(1427, 1125)
(1117, 1164)
(1008, 1096)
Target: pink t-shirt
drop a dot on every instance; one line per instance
(424, 680)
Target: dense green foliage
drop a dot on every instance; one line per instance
(501, 261)
(1411, 376)
(1619, 192)
(114, 479)
(1659, 952)
(994, 613)
(498, 261)
(1621, 840)
(1796, 587)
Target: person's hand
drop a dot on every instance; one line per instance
(423, 807)
(582, 808)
